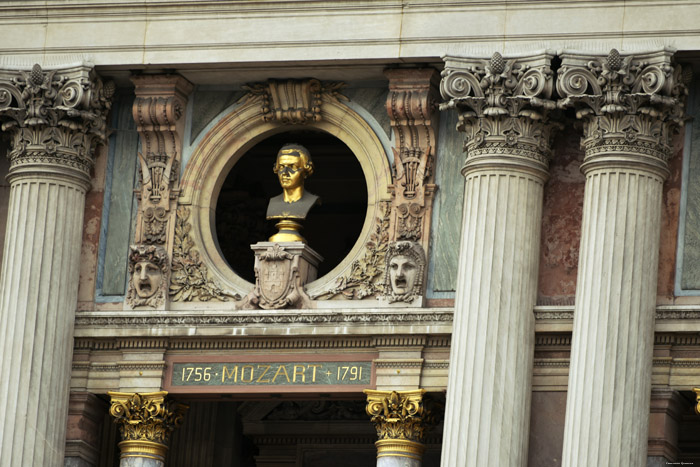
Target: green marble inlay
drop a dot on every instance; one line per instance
(272, 373)
(121, 199)
(447, 208)
(690, 277)
(374, 101)
(207, 105)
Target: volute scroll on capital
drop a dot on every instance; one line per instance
(504, 105)
(54, 117)
(630, 104)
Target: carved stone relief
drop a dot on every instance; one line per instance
(411, 106)
(281, 271)
(190, 279)
(54, 116)
(628, 103)
(148, 276)
(292, 101)
(405, 271)
(365, 277)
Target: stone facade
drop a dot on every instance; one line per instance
(513, 280)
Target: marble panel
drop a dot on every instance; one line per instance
(690, 274)
(374, 101)
(206, 105)
(119, 206)
(546, 428)
(447, 207)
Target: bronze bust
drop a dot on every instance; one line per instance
(292, 166)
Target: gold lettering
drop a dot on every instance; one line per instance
(300, 373)
(243, 374)
(260, 380)
(280, 370)
(313, 373)
(226, 375)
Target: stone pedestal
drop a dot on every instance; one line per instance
(487, 417)
(146, 422)
(401, 421)
(55, 119)
(281, 271)
(627, 105)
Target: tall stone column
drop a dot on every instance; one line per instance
(146, 422)
(628, 106)
(401, 420)
(503, 106)
(55, 119)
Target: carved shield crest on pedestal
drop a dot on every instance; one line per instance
(274, 278)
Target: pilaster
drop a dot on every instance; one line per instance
(146, 422)
(503, 106)
(629, 106)
(158, 111)
(401, 420)
(55, 119)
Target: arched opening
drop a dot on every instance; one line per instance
(331, 228)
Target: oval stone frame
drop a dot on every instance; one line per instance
(238, 131)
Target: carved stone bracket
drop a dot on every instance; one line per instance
(411, 106)
(401, 420)
(146, 422)
(55, 118)
(281, 271)
(158, 109)
(504, 105)
(629, 104)
(292, 101)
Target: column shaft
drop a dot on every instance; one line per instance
(488, 394)
(629, 106)
(39, 289)
(610, 376)
(504, 104)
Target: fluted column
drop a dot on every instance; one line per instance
(146, 422)
(55, 119)
(628, 106)
(401, 420)
(503, 105)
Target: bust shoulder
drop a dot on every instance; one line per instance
(279, 209)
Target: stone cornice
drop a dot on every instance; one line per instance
(55, 118)
(629, 105)
(503, 105)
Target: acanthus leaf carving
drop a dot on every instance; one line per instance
(630, 103)
(399, 414)
(504, 105)
(55, 116)
(365, 277)
(189, 278)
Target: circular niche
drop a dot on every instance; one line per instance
(331, 228)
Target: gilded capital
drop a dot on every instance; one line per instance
(629, 105)
(145, 422)
(54, 117)
(503, 104)
(398, 414)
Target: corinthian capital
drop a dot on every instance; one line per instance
(145, 422)
(628, 103)
(503, 104)
(54, 117)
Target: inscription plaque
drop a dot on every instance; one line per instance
(271, 374)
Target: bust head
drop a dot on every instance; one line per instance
(293, 166)
(405, 263)
(147, 275)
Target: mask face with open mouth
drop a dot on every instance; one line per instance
(402, 272)
(147, 278)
